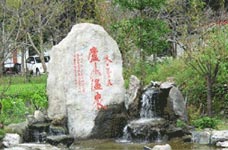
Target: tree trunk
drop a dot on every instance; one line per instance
(43, 62)
(209, 95)
(1, 63)
(23, 62)
(41, 42)
(1, 68)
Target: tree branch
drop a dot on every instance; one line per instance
(32, 43)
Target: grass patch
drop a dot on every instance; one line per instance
(23, 79)
(19, 98)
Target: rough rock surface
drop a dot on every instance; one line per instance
(132, 97)
(132, 91)
(19, 128)
(162, 147)
(219, 136)
(33, 146)
(60, 139)
(39, 116)
(222, 144)
(213, 137)
(11, 139)
(110, 123)
(166, 85)
(177, 103)
(85, 77)
(145, 129)
(201, 137)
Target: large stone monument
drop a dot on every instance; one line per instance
(84, 78)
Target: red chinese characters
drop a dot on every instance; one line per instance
(78, 72)
(97, 99)
(93, 55)
(108, 70)
(95, 78)
(97, 85)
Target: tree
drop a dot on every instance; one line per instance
(207, 57)
(184, 19)
(38, 17)
(147, 31)
(9, 31)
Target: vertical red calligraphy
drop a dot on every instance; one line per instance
(108, 70)
(95, 77)
(98, 99)
(78, 72)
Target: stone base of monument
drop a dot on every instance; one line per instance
(42, 131)
(109, 123)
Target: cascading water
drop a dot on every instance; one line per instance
(147, 127)
(148, 101)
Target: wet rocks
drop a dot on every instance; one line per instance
(203, 137)
(160, 106)
(173, 132)
(211, 137)
(18, 128)
(166, 85)
(145, 129)
(11, 140)
(60, 139)
(57, 130)
(158, 147)
(162, 147)
(222, 144)
(39, 129)
(33, 146)
(110, 123)
(219, 136)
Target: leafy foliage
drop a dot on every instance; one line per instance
(206, 122)
(192, 85)
(13, 109)
(21, 99)
(145, 33)
(181, 123)
(207, 57)
(146, 30)
(141, 4)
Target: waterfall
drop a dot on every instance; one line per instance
(148, 101)
(147, 127)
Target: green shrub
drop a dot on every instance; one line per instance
(180, 123)
(2, 134)
(13, 110)
(39, 98)
(143, 74)
(206, 122)
(22, 98)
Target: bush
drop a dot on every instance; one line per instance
(21, 99)
(13, 110)
(206, 122)
(180, 123)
